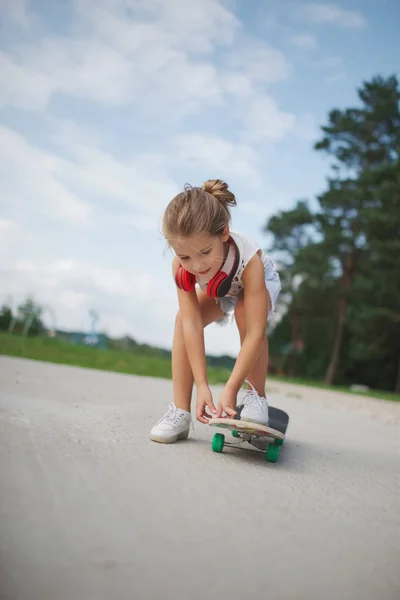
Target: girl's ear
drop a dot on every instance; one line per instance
(225, 234)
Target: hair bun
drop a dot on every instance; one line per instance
(219, 189)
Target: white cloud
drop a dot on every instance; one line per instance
(260, 62)
(72, 287)
(7, 226)
(38, 182)
(176, 24)
(325, 13)
(30, 182)
(219, 155)
(262, 119)
(83, 276)
(155, 58)
(116, 60)
(20, 87)
(237, 84)
(304, 40)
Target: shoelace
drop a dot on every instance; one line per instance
(253, 398)
(173, 416)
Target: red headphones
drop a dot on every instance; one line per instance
(219, 285)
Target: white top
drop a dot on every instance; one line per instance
(247, 249)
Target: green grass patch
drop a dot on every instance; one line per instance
(121, 361)
(134, 362)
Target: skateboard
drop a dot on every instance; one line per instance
(268, 438)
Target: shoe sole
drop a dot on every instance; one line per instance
(161, 440)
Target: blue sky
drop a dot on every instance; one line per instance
(108, 107)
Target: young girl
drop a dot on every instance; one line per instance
(233, 276)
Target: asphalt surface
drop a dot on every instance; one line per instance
(91, 509)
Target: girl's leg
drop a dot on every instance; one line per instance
(258, 374)
(181, 370)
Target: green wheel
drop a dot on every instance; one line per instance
(278, 442)
(272, 453)
(218, 441)
(235, 433)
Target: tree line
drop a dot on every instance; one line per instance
(340, 260)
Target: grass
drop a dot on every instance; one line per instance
(121, 361)
(134, 362)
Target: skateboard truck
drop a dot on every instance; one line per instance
(266, 438)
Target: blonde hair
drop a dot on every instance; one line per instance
(199, 211)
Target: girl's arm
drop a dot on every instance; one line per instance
(256, 309)
(193, 331)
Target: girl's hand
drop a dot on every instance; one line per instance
(227, 404)
(204, 399)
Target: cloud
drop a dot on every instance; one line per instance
(7, 226)
(155, 58)
(263, 120)
(330, 14)
(72, 287)
(38, 182)
(259, 62)
(20, 87)
(116, 59)
(90, 69)
(198, 25)
(30, 182)
(304, 40)
(218, 155)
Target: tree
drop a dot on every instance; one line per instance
(5, 318)
(375, 320)
(340, 276)
(28, 320)
(307, 282)
(361, 140)
(291, 231)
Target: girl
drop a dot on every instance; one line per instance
(233, 276)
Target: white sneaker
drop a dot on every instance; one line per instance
(173, 426)
(254, 408)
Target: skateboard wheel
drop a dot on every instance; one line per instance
(218, 441)
(272, 453)
(235, 433)
(278, 442)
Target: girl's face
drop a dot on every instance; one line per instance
(202, 255)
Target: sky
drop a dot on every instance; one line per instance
(107, 109)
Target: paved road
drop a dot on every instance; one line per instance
(92, 510)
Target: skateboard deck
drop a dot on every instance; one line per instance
(264, 437)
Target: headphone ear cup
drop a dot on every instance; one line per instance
(216, 287)
(220, 284)
(184, 280)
